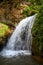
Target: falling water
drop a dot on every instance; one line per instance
(21, 39)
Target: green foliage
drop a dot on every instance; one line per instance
(37, 31)
(30, 10)
(35, 1)
(39, 1)
(26, 11)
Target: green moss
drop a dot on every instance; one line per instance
(3, 28)
(37, 31)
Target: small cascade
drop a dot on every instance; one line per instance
(21, 39)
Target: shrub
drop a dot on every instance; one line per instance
(37, 31)
(29, 10)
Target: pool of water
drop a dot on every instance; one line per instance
(19, 60)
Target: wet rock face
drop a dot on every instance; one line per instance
(1, 47)
(2, 43)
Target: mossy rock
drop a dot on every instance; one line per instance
(37, 33)
(4, 34)
(3, 29)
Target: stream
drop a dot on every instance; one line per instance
(19, 60)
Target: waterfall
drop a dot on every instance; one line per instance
(21, 39)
